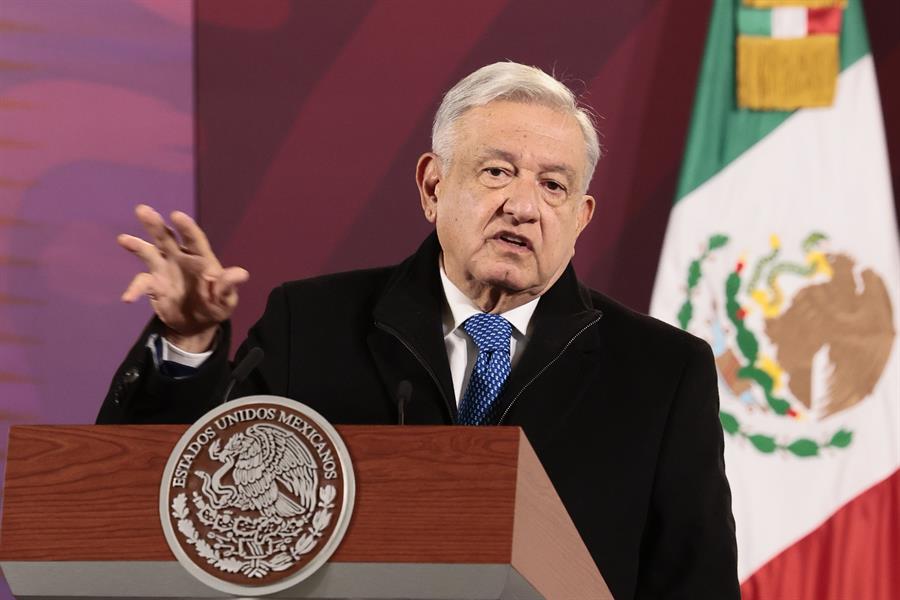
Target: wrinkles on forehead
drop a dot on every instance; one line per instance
(541, 137)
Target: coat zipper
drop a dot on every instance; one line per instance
(547, 366)
(421, 360)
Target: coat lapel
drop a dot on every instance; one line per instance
(564, 314)
(410, 311)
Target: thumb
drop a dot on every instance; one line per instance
(225, 285)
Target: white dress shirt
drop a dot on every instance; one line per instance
(169, 352)
(461, 349)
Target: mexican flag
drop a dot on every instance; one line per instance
(782, 252)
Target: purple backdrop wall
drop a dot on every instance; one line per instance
(96, 114)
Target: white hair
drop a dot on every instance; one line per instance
(513, 82)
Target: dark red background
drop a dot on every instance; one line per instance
(311, 116)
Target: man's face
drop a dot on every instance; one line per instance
(510, 206)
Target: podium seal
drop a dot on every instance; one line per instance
(257, 495)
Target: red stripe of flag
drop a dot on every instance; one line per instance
(823, 20)
(853, 555)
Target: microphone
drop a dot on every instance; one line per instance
(240, 372)
(404, 393)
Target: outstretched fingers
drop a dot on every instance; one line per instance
(144, 250)
(187, 286)
(224, 284)
(141, 284)
(163, 236)
(194, 239)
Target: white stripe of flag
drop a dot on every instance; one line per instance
(789, 22)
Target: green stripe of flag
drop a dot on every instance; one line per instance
(754, 21)
(719, 131)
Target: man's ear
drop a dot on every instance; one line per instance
(585, 212)
(428, 176)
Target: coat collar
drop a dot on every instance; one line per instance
(410, 309)
(411, 305)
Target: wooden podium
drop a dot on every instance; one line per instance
(441, 512)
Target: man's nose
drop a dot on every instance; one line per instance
(523, 199)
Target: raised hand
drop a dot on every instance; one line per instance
(187, 286)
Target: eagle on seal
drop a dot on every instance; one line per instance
(265, 461)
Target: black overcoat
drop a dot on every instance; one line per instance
(621, 409)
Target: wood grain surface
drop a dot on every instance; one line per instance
(424, 494)
(547, 549)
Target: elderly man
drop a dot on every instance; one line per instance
(489, 325)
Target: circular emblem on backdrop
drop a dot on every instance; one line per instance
(257, 495)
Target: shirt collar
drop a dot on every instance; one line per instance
(461, 308)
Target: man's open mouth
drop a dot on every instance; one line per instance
(514, 239)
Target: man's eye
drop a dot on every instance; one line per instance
(554, 186)
(494, 176)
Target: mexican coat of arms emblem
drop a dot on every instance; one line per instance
(257, 495)
(798, 340)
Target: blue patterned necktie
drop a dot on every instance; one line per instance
(491, 334)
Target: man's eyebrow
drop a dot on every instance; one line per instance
(489, 153)
(560, 168)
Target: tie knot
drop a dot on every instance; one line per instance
(490, 332)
